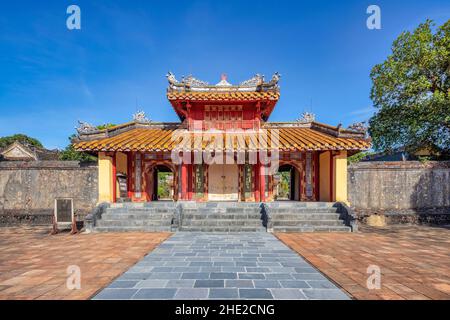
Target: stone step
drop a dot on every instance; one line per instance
(124, 216)
(301, 223)
(220, 216)
(222, 229)
(133, 223)
(296, 204)
(132, 229)
(302, 210)
(222, 222)
(305, 216)
(221, 210)
(312, 229)
(140, 210)
(155, 204)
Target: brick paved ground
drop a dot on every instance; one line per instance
(414, 261)
(192, 265)
(33, 264)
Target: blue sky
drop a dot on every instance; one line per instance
(51, 77)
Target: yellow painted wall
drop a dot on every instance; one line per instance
(105, 184)
(340, 177)
(324, 176)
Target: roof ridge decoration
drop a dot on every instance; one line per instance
(307, 117)
(139, 117)
(256, 83)
(85, 127)
(358, 126)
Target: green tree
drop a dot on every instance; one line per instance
(411, 90)
(70, 154)
(24, 139)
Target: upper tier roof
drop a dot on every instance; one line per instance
(254, 84)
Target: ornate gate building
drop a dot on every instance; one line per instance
(223, 149)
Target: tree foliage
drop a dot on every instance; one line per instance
(23, 139)
(70, 154)
(411, 90)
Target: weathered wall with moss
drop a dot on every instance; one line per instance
(409, 185)
(28, 189)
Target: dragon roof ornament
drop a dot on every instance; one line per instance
(358, 126)
(85, 128)
(307, 117)
(139, 117)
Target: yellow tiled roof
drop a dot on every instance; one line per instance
(223, 96)
(285, 139)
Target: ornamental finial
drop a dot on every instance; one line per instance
(307, 117)
(85, 128)
(139, 117)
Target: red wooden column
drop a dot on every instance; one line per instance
(262, 183)
(184, 182)
(114, 174)
(257, 178)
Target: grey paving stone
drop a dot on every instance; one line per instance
(123, 284)
(246, 264)
(209, 284)
(308, 276)
(321, 284)
(294, 284)
(210, 269)
(322, 294)
(156, 293)
(257, 269)
(183, 283)
(165, 275)
(115, 294)
(267, 284)
(223, 275)
(255, 294)
(243, 275)
(226, 293)
(191, 293)
(305, 270)
(278, 276)
(239, 284)
(134, 276)
(186, 269)
(195, 275)
(288, 294)
(201, 264)
(154, 283)
(189, 265)
(162, 269)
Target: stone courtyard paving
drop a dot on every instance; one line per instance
(33, 264)
(414, 260)
(222, 266)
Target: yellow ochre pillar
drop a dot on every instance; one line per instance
(105, 181)
(340, 177)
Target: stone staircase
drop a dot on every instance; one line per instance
(152, 216)
(289, 216)
(222, 217)
(282, 216)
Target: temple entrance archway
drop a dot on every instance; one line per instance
(162, 183)
(287, 183)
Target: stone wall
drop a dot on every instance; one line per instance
(408, 191)
(28, 189)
